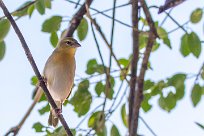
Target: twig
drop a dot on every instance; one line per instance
(116, 20)
(105, 70)
(106, 41)
(77, 3)
(34, 66)
(165, 18)
(140, 83)
(135, 37)
(123, 5)
(148, 127)
(22, 8)
(78, 125)
(149, 18)
(199, 73)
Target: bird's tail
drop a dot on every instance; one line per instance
(53, 120)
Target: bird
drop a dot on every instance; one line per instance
(169, 4)
(58, 75)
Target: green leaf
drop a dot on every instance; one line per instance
(164, 36)
(145, 103)
(82, 29)
(124, 62)
(44, 109)
(30, 10)
(184, 49)
(97, 121)
(4, 28)
(52, 24)
(2, 50)
(190, 43)
(124, 115)
(196, 15)
(178, 82)
(148, 84)
(91, 66)
(48, 4)
(38, 127)
(40, 6)
(196, 94)
(143, 38)
(54, 39)
(82, 99)
(114, 131)
(195, 44)
(34, 80)
(99, 88)
(167, 103)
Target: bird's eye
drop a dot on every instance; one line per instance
(68, 43)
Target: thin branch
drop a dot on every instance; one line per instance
(199, 73)
(165, 18)
(134, 62)
(149, 18)
(105, 70)
(34, 66)
(116, 20)
(176, 22)
(22, 8)
(139, 91)
(120, 6)
(77, 3)
(74, 23)
(148, 127)
(106, 41)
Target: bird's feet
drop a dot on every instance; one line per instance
(58, 111)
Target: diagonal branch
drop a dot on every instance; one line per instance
(74, 23)
(34, 66)
(72, 27)
(149, 18)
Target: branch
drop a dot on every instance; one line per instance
(135, 37)
(93, 21)
(139, 91)
(72, 27)
(34, 66)
(149, 18)
(74, 23)
(99, 12)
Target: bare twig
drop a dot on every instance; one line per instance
(34, 66)
(148, 127)
(106, 41)
(120, 6)
(116, 20)
(135, 36)
(199, 73)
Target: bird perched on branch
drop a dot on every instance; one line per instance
(169, 4)
(59, 74)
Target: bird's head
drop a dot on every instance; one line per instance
(68, 42)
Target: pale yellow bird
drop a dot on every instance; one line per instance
(59, 74)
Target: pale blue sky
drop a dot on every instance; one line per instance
(16, 71)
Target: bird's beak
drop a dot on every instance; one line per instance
(77, 45)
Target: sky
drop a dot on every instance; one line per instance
(15, 70)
